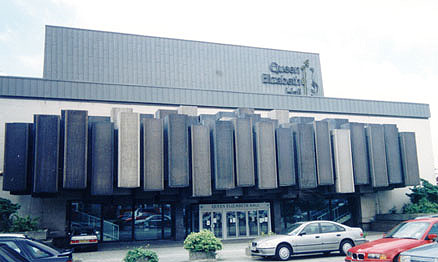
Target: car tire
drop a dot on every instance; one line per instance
(345, 246)
(283, 252)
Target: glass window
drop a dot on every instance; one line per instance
(37, 252)
(118, 222)
(148, 221)
(330, 227)
(434, 229)
(85, 217)
(409, 230)
(12, 245)
(311, 229)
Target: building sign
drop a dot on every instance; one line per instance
(234, 206)
(298, 80)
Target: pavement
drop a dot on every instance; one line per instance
(173, 251)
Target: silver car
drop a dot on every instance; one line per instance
(308, 237)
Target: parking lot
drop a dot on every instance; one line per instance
(171, 251)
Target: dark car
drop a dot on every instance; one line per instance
(427, 252)
(7, 254)
(33, 250)
(84, 237)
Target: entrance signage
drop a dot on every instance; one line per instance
(240, 206)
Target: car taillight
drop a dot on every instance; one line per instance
(93, 240)
(361, 234)
(74, 242)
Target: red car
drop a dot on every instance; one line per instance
(406, 235)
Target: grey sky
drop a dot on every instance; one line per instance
(379, 50)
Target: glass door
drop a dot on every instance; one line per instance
(231, 225)
(217, 224)
(242, 224)
(206, 221)
(252, 223)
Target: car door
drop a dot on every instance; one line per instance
(331, 235)
(309, 239)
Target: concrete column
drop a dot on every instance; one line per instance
(75, 147)
(201, 165)
(129, 150)
(188, 110)
(377, 155)
(392, 149)
(17, 159)
(281, 115)
(46, 153)
(409, 158)
(343, 161)
(323, 151)
(361, 170)
(266, 155)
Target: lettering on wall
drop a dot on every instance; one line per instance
(298, 80)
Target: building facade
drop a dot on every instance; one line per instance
(149, 138)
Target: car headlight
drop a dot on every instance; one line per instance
(267, 244)
(376, 256)
(405, 258)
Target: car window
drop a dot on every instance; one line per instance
(311, 229)
(434, 229)
(409, 230)
(37, 252)
(12, 245)
(330, 227)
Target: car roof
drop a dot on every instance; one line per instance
(427, 219)
(12, 235)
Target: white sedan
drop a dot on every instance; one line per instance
(318, 236)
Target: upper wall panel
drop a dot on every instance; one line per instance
(107, 57)
(24, 87)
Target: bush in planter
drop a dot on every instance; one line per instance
(141, 254)
(202, 242)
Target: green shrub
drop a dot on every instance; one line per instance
(424, 199)
(141, 253)
(203, 241)
(7, 208)
(23, 224)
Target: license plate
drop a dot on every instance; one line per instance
(84, 241)
(253, 248)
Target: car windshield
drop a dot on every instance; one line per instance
(292, 229)
(413, 230)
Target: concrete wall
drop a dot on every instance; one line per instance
(22, 110)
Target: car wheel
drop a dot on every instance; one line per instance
(345, 246)
(283, 252)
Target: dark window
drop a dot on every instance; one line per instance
(37, 252)
(329, 227)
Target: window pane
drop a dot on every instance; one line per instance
(148, 221)
(118, 222)
(37, 252)
(167, 223)
(85, 217)
(311, 229)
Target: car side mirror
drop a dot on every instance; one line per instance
(302, 233)
(432, 236)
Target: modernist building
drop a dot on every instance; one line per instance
(149, 138)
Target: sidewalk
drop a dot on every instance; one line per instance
(173, 251)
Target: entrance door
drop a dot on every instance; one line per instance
(231, 224)
(237, 220)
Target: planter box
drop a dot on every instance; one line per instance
(201, 255)
(38, 235)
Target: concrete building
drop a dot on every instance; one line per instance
(151, 138)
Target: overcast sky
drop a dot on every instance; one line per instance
(377, 50)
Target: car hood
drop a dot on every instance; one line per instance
(387, 245)
(269, 238)
(429, 250)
